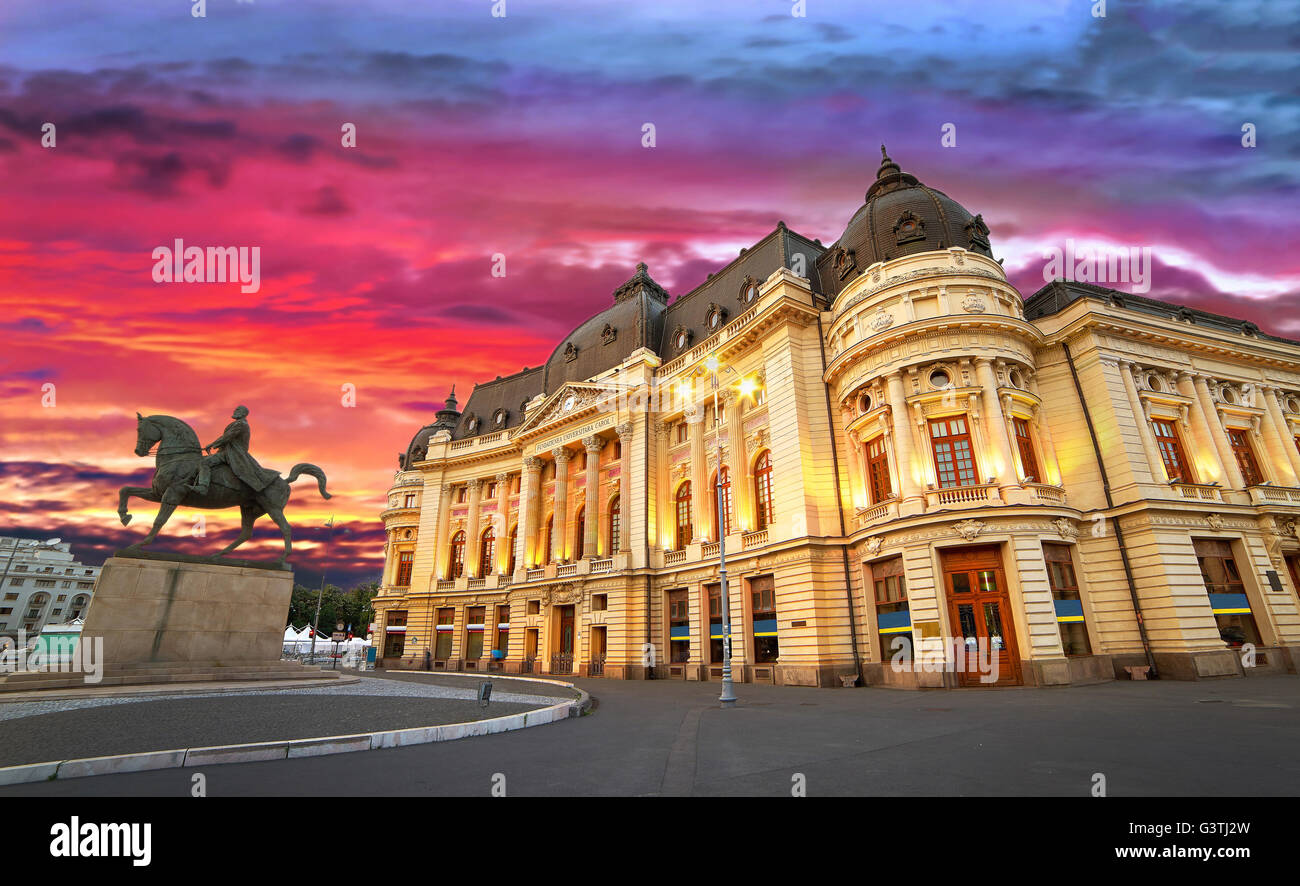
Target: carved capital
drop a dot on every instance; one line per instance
(561, 455)
(474, 484)
(533, 463)
(624, 430)
(593, 444)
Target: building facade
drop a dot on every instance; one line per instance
(913, 462)
(41, 583)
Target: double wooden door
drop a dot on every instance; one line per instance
(980, 614)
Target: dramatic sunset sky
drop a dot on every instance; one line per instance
(522, 135)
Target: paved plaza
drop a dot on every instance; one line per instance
(1228, 737)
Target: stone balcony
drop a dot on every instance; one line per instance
(1286, 497)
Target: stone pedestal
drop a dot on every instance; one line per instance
(176, 619)
(168, 612)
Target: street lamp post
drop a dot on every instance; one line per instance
(315, 622)
(728, 696)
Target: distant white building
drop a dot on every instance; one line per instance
(41, 583)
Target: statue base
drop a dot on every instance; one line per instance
(172, 620)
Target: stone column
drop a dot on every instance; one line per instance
(904, 450)
(442, 538)
(1217, 433)
(530, 506)
(1203, 440)
(1288, 456)
(591, 520)
(501, 526)
(995, 422)
(1154, 463)
(624, 432)
(859, 491)
(560, 517)
(738, 455)
(700, 521)
(472, 566)
(664, 486)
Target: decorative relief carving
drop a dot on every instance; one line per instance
(562, 595)
(570, 352)
(973, 304)
(881, 320)
(1215, 522)
(1065, 528)
(968, 529)
(875, 543)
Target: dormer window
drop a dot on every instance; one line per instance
(570, 352)
(499, 419)
(715, 317)
(471, 424)
(749, 291)
(681, 338)
(909, 228)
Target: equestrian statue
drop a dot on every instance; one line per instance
(184, 476)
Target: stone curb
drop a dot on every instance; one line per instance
(295, 748)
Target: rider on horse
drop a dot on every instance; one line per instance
(232, 450)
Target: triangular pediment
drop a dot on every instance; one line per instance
(570, 401)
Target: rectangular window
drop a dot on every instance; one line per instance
(599, 602)
(953, 459)
(1227, 592)
(679, 626)
(713, 593)
(41, 583)
(11, 596)
(442, 644)
(492, 490)
(502, 647)
(762, 596)
(878, 470)
(1025, 444)
(681, 432)
(16, 582)
(1171, 451)
(1065, 597)
(475, 625)
(460, 495)
(395, 641)
(410, 500)
(404, 561)
(893, 618)
(6, 610)
(1239, 440)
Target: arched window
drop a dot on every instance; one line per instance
(457, 555)
(546, 551)
(726, 503)
(579, 527)
(684, 529)
(487, 552)
(79, 606)
(514, 546)
(763, 490)
(615, 519)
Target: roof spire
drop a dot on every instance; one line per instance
(887, 166)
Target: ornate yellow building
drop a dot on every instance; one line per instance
(915, 460)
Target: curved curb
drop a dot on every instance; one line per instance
(291, 749)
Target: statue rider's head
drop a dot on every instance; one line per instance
(240, 412)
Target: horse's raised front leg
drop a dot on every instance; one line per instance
(171, 498)
(145, 492)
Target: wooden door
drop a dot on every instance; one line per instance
(566, 630)
(981, 615)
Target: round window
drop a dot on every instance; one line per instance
(1017, 380)
(681, 340)
(1229, 395)
(939, 379)
(864, 403)
(1293, 405)
(751, 292)
(1154, 383)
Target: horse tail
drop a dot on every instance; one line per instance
(304, 468)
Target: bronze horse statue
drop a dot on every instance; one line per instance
(177, 462)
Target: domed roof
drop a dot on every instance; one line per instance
(900, 217)
(445, 420)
